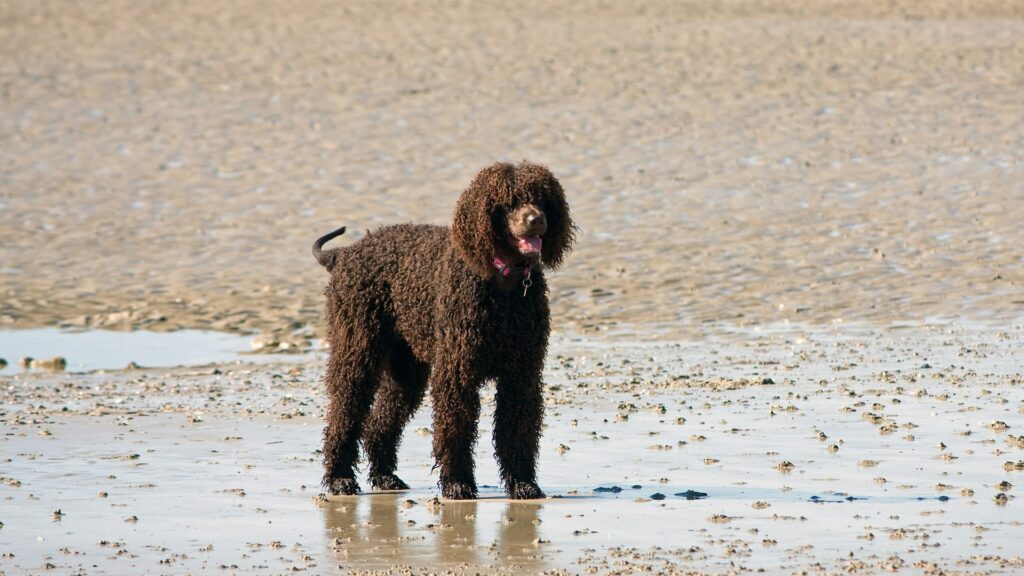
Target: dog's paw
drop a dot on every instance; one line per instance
(342, 486)
(458, 490)
(388, 482)
(520, 490)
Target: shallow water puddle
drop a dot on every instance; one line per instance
(111, 350)
(785, 494)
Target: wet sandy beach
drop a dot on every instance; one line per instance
(789, 339)
(822, 450)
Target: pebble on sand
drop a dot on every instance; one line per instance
(692, 495)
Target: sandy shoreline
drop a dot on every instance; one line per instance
(895, 443)
(798, 279)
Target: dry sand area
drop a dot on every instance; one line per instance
(798, 288)
(168, 164)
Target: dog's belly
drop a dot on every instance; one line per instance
(490, 350)
(419, 340)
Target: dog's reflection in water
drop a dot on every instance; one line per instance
(379, 530)
(518, 536)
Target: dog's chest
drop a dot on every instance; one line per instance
(508, 328)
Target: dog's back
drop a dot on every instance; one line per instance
(393, 271)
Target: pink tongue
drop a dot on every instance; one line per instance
(528, 244)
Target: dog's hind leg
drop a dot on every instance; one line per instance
(403, 382)
(351, 379)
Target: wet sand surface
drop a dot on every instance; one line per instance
(168, 166)
(797, 287)
(786, 449)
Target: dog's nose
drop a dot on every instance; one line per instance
(535, 219)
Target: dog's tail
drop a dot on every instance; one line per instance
(326, 259)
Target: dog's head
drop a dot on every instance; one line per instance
(516, 213)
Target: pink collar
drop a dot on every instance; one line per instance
(504, 269)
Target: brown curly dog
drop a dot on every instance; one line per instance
(412, 307)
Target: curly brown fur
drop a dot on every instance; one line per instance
(416, 307)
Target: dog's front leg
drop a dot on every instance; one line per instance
(518, 414)
(456, 410)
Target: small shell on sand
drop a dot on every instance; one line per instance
(55, 364)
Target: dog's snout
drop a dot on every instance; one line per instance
(537, 223)
(528, 220)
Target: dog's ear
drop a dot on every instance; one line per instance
(473, 231)
(561, 234)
